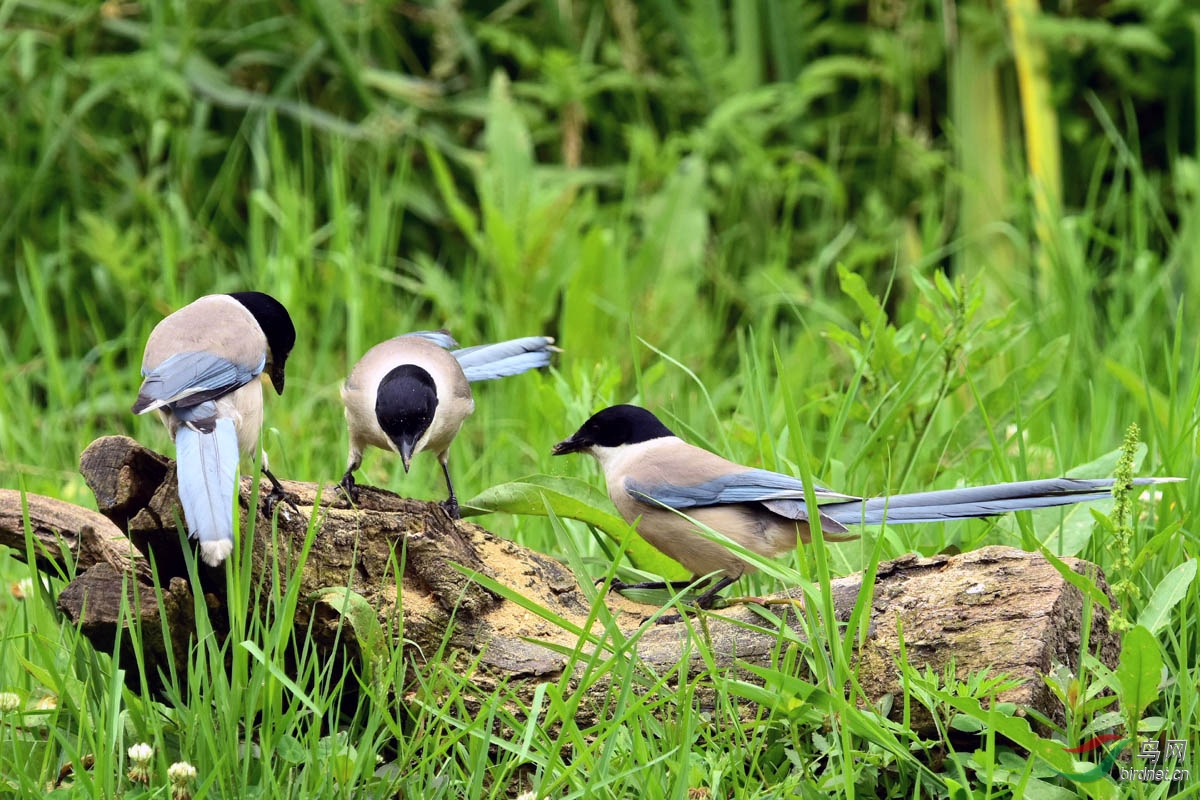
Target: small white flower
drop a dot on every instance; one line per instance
(141, 753)
(9, 702)
(181, 772)
(527, 796)
(139, 767)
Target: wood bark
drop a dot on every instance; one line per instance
(998, 608)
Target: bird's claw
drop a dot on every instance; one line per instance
(615, 586)
(349, 488)
(276, 496)
(765, 602)
(450, 506)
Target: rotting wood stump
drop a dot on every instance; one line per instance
(998, 608)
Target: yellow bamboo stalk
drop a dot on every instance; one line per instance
(1043, 155)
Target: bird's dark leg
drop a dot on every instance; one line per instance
(709, 596)
(277, 493)
(450, 504)
(349, 487)
(347, 484)
(619, 585)
(703, 602)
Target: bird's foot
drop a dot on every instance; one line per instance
(794, 602)
(701, 603)
(615, 585)
(450, 506)
(349, 488)
(278, 495)
(618, 585)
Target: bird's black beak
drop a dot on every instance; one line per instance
(572, 444)
(276, 373)
(406, 444)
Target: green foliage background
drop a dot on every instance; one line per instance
(740, 214)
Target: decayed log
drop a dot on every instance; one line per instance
(999, 608)
(62, 532)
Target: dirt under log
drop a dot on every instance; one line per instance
(998, 608)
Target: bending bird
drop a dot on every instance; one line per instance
(413, 392)
(202, 370)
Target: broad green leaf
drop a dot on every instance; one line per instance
(1017, 730)
(1105, 465)
(585, 502)
(1170, 590)
(966, 724)
(805, 699)
(1081, 582)
(955, 789)
(1074, 531)
(574, 499)
(338, 757)
(360, 616)
(855, 287)
(1035, 789)
(1151, 725)
(1154, 549)
(61, 683)
(290, 750)
(1139, 670)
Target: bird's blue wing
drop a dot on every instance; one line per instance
(440, 338)
(780, 493)
(191, 378)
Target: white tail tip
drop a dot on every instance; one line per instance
(214, 553)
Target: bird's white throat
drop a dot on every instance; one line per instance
(617, 458)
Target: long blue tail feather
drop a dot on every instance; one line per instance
(976, 501)
(207, 467)
(490, 361)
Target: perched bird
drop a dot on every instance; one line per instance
(651, 473)
(412, 393)
(201, 367)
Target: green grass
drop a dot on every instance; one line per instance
(739, 215)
